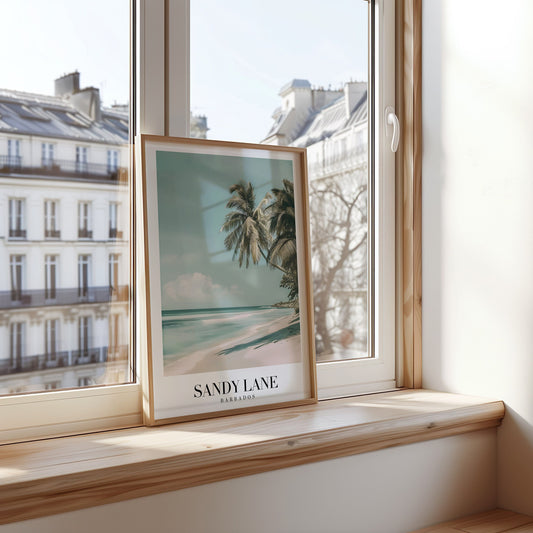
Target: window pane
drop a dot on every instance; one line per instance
(64, 170)
(299, 78)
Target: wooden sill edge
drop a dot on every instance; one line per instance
(65, 474)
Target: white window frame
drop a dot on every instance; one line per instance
(51, 338)
(377, 373)
(113, 269)
(58, 412)
(21, 340)
(84, 218)
(336, 378)
(112, 160)
(17, 264)
(47, 154)
(161, 112)
(84, 274)
(82, 166)
(51, 216)
(17, 215)
(51, 266)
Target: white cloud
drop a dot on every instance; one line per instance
(197, 290)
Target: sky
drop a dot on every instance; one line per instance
(242, 52)
(43, 39)
(197, 272)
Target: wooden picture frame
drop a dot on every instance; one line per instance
(229, 314)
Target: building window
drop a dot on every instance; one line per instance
(50, 277)
(112, 161)
(17, 218)
(17, 267)
(114, 233)
(113, 272)
(84, 264)
(113, 341)
(81, 159)
(47, 155)
(13, 153)
(84, 221)
(17, 333)
(51, 225)
(52, 385)
(85, 381)
(84, 336)
(51, 336)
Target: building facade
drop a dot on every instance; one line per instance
(64, 239)
(333, 126)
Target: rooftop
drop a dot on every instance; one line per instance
(53, 116)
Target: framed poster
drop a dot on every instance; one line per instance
(228, 295)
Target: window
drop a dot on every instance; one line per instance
(17, 268)
(161, 111)
(51, 338)
(84, 264)
(84, 338)
(51, 226)
(85, 381)
(114, 336)
(50, 277)
(47, 155)
(17, 218)
(13, 153)
(114, 233)
(113, 272)
(336, 112)
(84, 221)
(17, 338)
(81, 159)
(112, 160)
(61, 197)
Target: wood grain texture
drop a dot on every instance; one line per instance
(409, 171)
(58, 475)
(496, 521)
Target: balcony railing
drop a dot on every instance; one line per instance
(115, 234)
(52, 234)
(15, 233)
(84, 233)
(63, 168)
(63, 359)
(41, 297)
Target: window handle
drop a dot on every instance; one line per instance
(392, 120)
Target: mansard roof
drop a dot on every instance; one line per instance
(53, 116)
(329, 120)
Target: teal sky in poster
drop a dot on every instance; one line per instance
(196, 270)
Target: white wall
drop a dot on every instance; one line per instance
(478, 217)
(389, 491)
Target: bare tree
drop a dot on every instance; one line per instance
(338, 213)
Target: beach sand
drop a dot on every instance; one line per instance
(244, 351)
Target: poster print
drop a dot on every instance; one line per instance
(229, 303)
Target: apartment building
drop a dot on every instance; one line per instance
(64, 239)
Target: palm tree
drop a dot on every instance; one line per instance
(247, 226)
(282, 225)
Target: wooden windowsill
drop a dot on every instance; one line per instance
(63, 474)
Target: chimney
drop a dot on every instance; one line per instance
(67, 84)
(88, 101)
(353, 92)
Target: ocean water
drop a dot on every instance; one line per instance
(211, 330)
